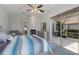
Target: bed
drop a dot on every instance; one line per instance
(3, 41)
(27, 45)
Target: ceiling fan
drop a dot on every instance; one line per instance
(35, 9)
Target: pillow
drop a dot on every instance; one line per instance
(9, 37)
(4, 37)
(1, 41)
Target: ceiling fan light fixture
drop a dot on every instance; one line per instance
(32, 10)
(35, 9)
(38, 11)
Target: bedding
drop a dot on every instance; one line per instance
(4, 37)
(26, 45)
(3, 45)
(1, 41)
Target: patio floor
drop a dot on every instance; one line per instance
(68, 43)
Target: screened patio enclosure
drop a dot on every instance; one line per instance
(66, 30)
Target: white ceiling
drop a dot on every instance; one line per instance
(51, 9)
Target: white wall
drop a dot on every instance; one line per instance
(33, 22)
(16, 22)
(4, 20)
(46, 18)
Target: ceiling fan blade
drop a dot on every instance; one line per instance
(24, 12)
(41, 10)
(29, 10)
(40, 6)
(30, 5)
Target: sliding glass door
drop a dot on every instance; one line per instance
(56, 33)
(70, 37)
(66, 35)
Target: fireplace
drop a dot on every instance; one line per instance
(32, 31)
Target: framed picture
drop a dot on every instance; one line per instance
(44, 27)
(0, 28)
(24, 25)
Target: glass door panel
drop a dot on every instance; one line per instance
(70, 37)
(56, 32)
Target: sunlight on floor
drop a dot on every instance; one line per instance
(70, 44)
(72, 47)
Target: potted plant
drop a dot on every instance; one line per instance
(58, 27)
